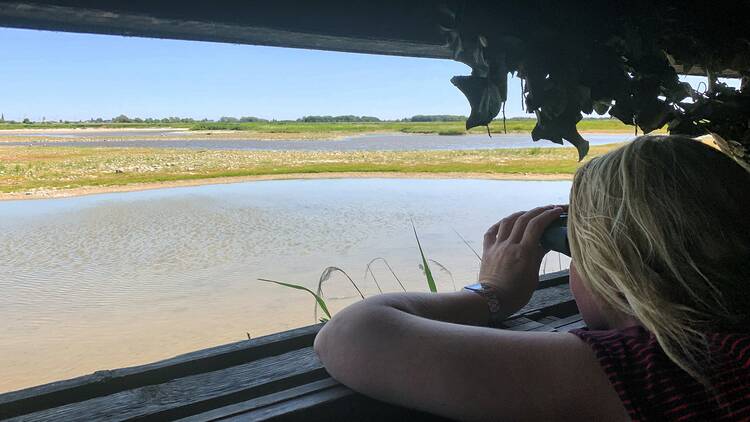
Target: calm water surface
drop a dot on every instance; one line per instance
(376, 142)
(112, 280)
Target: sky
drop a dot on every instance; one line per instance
(64, 76)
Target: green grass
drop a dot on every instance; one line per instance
(27, 168)
(326, 275)
(320, 301)
(514, 125)
(425, 266)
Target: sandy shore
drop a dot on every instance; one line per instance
(93, 190)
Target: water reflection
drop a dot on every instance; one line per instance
(121, 279)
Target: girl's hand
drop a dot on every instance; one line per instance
(512, 254)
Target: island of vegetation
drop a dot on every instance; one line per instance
(321, 127)
(37, 166)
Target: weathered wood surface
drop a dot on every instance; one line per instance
(112, 381)
(276, 377)
(407, 28)
(184, 396)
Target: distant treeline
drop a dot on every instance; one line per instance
(245, 119)
(436, 118)
(241, 119)
(336, 119)
(252, 119)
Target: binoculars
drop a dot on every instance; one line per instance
(555, 236)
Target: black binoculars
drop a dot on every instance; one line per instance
(555, 236)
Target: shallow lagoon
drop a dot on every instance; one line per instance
(373, 142)
(112, 280)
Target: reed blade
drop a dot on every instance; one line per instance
(427, 272)
(318, 299)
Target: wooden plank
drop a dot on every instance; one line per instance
(526, 325)
(320, 398)
(383, 27)
(553, 279)
(103, 383)
(329, 406)
(510, 323)
(393, 27)
(547, 298)
(196, 393)
(263, 401)
(555, 325)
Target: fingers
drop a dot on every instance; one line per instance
(536, 226)
(513, 227)
(500, 230)
(519, 227)
(506, 225)
(490, 236)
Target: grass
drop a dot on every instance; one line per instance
(320, 301)
(425, 266)
(514, 125)
(326, 275)
(29, 168)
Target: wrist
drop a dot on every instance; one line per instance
(490, 293)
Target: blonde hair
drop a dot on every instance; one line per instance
(660, 230)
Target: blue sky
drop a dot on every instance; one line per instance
(80, 76)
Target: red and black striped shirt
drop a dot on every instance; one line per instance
(652, 387)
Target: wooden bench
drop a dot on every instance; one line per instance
(276, 377)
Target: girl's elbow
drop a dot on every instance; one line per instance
(320, 344)
(344, 338)
(329, 340)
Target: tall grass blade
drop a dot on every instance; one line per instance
(368, 270)
(466, 242)
(325, 275)
(442, 268)
(427, 272)
(398, 280)
(318, 298)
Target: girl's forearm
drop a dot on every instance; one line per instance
(368, 330)
(466, 308)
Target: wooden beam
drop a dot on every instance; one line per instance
(114, 381)
(197, 393)
(391, 27)
(383, 27)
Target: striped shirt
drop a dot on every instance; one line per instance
(652, 387)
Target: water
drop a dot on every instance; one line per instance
(376, 142)
(113, 280)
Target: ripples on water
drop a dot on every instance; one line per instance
(120, 279)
